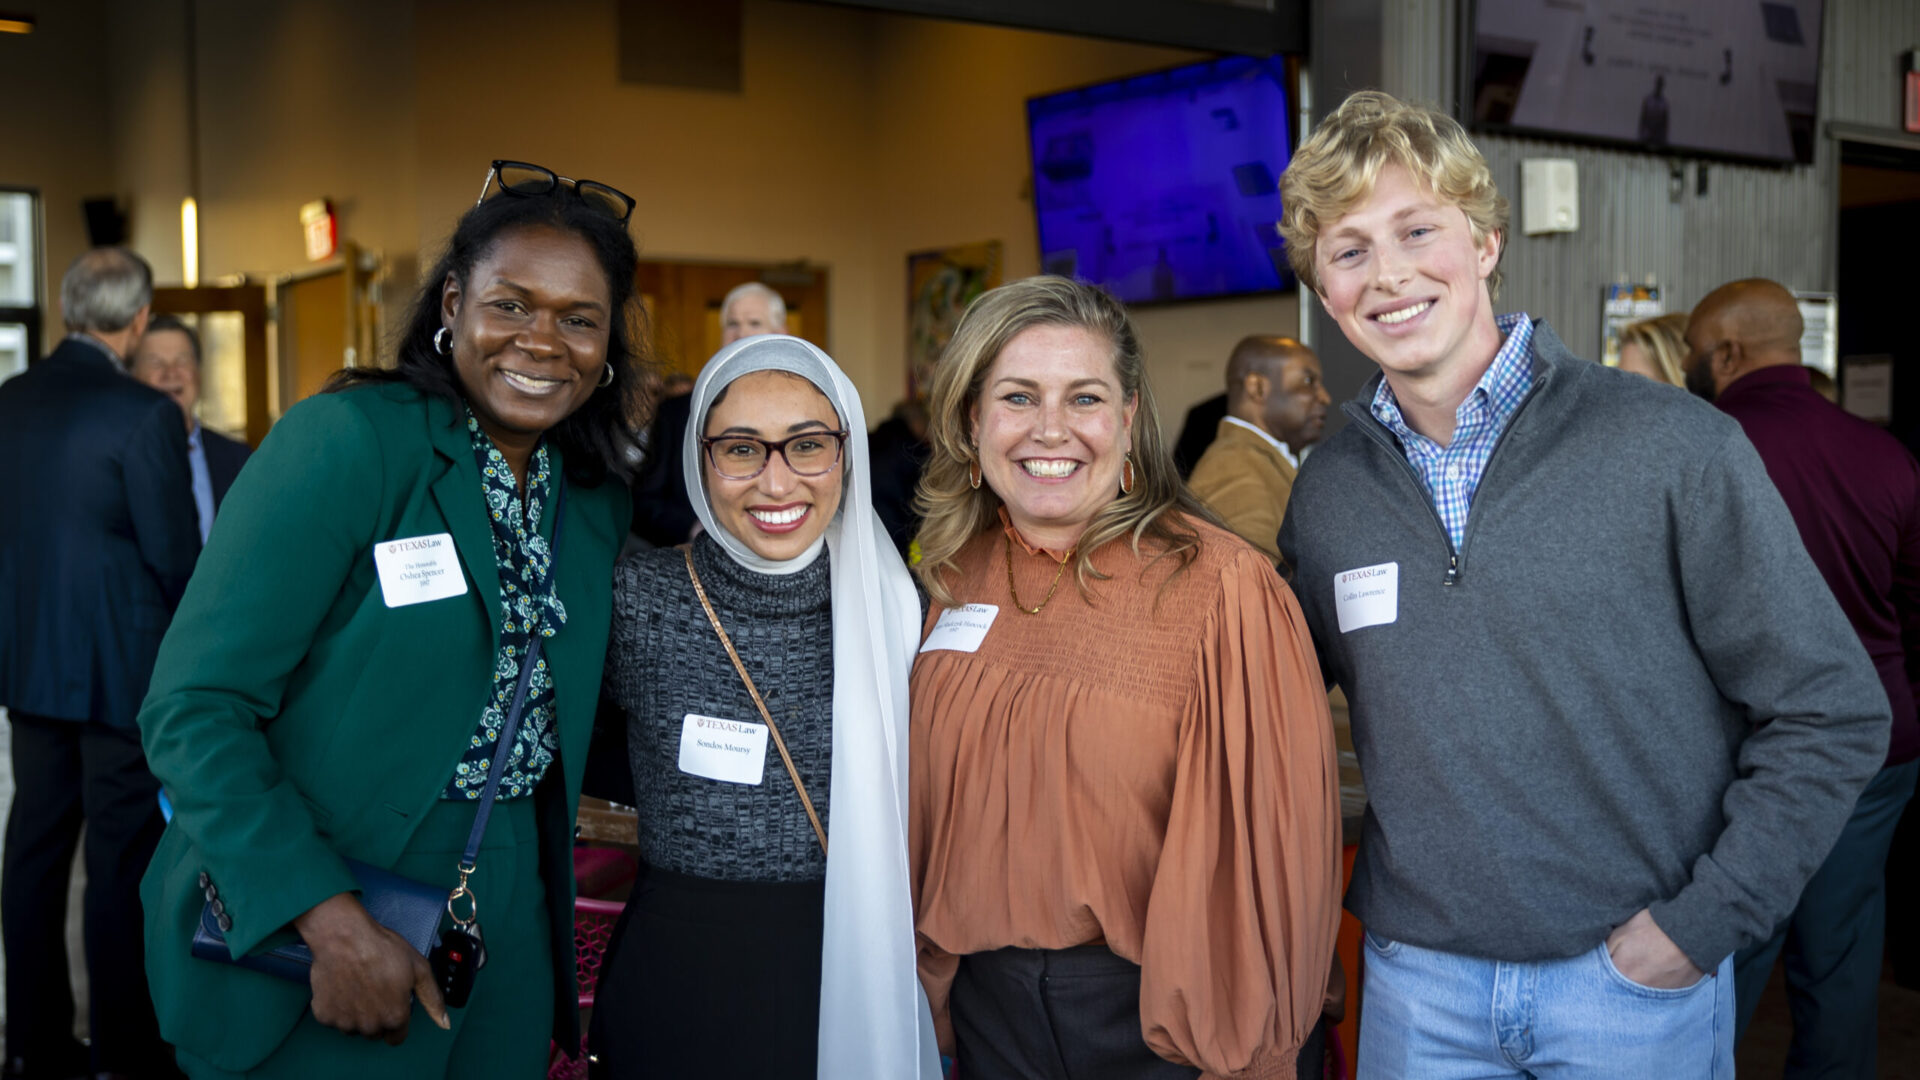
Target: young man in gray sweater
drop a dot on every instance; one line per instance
(1609, 715)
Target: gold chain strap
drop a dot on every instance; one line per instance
(778, 742)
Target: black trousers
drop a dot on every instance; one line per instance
(1063, 1014)
(65, 773)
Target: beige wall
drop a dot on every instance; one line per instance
(781, 171)
(301, 100)
(951, 149)
(148, 121)
(856, 139)
(53, 130)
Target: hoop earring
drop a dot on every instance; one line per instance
(443, 341)
(973, 474)
(1126, 475)
(606, 375)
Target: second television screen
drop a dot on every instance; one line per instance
(1165, 186)
(1737, 78)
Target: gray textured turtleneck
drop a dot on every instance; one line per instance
(664, 661)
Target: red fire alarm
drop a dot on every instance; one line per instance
(323, 234)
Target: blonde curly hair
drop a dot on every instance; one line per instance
(1335, 170)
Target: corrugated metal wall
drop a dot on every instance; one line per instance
(1752, 221)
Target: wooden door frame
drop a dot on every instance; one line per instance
(358, 333)
(666, 274)
(250, 301)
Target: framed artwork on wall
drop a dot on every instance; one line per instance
(940, 285)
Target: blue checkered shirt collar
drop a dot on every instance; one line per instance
(1451, 473)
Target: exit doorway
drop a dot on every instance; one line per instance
(1879, 213)
(682, 301)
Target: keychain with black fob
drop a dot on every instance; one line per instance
(455, 960)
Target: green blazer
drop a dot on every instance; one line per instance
(295, 718)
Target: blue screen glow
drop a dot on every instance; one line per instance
(1165, 186)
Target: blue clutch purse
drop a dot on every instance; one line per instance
(405, 906)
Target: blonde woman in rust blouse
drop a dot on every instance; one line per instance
(1124, 801)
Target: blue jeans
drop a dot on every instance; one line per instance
(1833, 941)
(1438, 1016)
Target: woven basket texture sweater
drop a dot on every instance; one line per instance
(664, 661)
(1631, 687)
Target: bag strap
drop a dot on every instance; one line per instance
(504, 748)
(778, 742)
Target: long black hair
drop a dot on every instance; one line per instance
(592, 438)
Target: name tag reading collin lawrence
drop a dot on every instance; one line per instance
(730, 750)
(417, 569)
(1367, 596)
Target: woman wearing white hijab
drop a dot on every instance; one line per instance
(765, 689)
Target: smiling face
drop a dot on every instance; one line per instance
(1403, 276)
(779, 513)
(530, 330)
(164, 360)
(1053, 426)
(749, 316)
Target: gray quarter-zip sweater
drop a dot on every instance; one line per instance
(1629, 687)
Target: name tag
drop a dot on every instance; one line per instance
(729, 750)
(418, 569)
(961, 629)
(1368, 596)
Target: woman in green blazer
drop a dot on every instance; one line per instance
(334, 683)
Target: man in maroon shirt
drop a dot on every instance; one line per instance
(1854, 492)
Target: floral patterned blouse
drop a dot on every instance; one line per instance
(528, 605)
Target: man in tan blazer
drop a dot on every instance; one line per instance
(1276, 407)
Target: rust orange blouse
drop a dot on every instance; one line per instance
(1154, 770)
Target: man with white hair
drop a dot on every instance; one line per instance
(750, 310)
(662, 513)
(97, 540)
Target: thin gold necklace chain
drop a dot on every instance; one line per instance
(1011, 591)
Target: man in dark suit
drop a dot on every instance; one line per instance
(168, 359)
(97, 540)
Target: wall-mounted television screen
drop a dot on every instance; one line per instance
(1165, 186)
(1721, 78)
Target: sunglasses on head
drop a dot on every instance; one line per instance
(526, 179)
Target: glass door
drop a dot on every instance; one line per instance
(21, 305)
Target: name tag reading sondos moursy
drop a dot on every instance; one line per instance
(1367, 596)
(417, 569)
(729, 750)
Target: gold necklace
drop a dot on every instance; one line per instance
(1056, 580)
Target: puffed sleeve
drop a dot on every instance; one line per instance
(938, 968)
(1245, 904)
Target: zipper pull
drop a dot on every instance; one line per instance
(1453, 571)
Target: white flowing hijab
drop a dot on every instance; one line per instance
(874, 1020)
